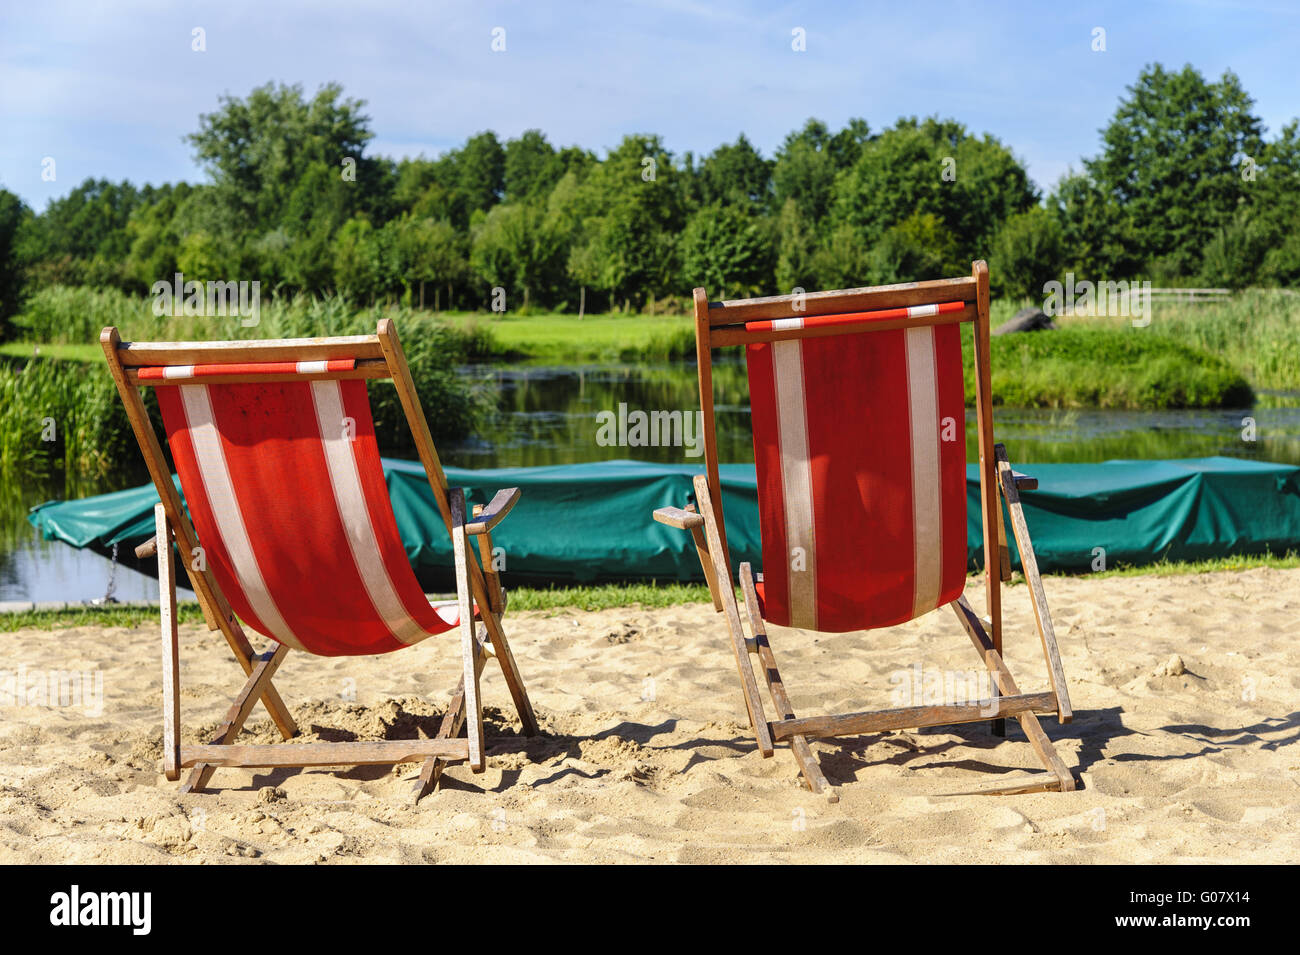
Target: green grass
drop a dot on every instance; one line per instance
(599, 597)
(67, 384)
(1257, 332)
(130, 616)
(65, 352)
(57, 417)
(607, 596)
(1169, 568)
(1107, 366)
(564, 339)
(1188, 357)
(67, 321)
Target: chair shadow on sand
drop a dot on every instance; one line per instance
(920, 750)
(842, 760)
(1221, 739)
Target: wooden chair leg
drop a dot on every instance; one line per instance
(469, 647)
(170, 647)
(256, 685)
(510, 670)
(753, 703)
(247, 660)
(453, 721)
(1029, 563)
(706, 562)
(492, 614)
(998, 727)
(688, 518)
(1042, 746)
(803, 754)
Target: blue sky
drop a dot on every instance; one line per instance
(109, 90)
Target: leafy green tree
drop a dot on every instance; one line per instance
(532, 167)
(919, 247)
(355, 274)
(934, 167)
(307, 262)
(736, 173)
(1090, 228)
(220, 248)
(1274, 197)
(633, 202)
(13, 215)
(1171, 163)
(200, 257)
(842, 260)
(155, 238)
(517, 247)
(727, 250)
(1184, 186)
(846, 145)
(805, 170)
(257, 149)
(1235, 254)
(321, 202)
(426, 187)
(82, 237)
(1027, 254)
(480, 174)
(796, 244)
(586, 265)
(430, 252)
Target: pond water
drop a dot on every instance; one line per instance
(547, 415)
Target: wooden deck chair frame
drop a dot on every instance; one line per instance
(722, 324)
(376, 356)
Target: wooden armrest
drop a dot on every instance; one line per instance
(1024, 482)
(678, 517)
(495, 512)
(148, 548)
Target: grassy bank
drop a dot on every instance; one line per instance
(56, 417)
(1256, 332)
(60, 414)
(1200, 356)
(66, 316)
(1107, 367)
(564, 339)
(602, 597)
(1100, 366)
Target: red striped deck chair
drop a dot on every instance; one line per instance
(290, 533)
(858, 417)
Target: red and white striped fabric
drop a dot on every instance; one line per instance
(853, 318)
(285, 487)
(183, 372)
(860, 449)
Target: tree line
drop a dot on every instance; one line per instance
(1184, 188)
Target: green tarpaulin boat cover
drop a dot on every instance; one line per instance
(591, 522)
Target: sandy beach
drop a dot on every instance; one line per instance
(646, 757)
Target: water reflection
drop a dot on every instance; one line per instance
(547, 415)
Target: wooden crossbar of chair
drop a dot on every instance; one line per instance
(722, 324)
(376, 356)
